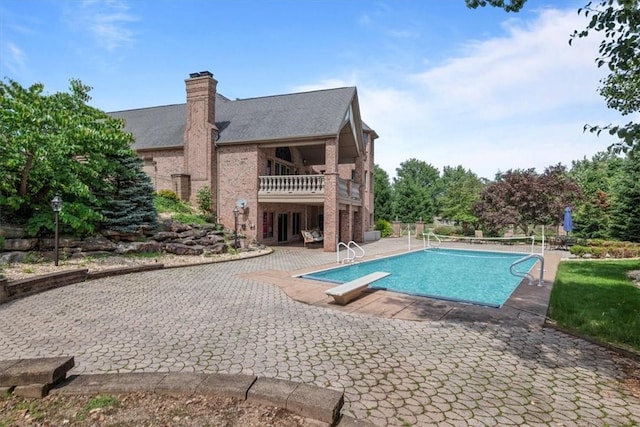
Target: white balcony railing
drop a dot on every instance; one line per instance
(290, 186)
(287, 184)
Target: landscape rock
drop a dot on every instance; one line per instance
(97, 243)
(20, 244)
(12, 231)
(164, 235)
(10, 257)
(180, 249)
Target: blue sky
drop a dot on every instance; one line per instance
(439, 82)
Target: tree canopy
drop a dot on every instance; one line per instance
(524, 199)
(414, 189)
(56, 145)
(382, 194)
(458, 191)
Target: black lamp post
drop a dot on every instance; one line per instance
(56, 205)
(236, 212)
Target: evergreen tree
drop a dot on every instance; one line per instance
(382, 195)
(415, 191)
(129, 206)
(625, 224)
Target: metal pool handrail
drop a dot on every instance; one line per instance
(427, 242)
(517, 273)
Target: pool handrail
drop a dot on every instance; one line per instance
(349, 257)
(527, 275)
(426, 242)
(352, 243)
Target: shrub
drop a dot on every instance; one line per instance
(168, 194)
(578, 250)
(448, 230)
(185, 218)
(384, 227)
(598, 252)
(164, 204)
(204, 200)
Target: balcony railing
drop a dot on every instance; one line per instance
(288, 184)
(298, 187)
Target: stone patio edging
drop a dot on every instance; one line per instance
(36, 378)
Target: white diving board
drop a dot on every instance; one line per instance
(346, 292)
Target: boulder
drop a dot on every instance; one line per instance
(180, 249)
(164, 235)
(11, 257)
(98, 243)
(20, 244)
(12, 231)
(211, 239)
(138, 247)
(218, 248)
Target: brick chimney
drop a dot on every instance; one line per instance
(200, 131)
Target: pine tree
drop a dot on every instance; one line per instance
(130, 205)
(625, 224)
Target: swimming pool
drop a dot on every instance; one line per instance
(477, 277)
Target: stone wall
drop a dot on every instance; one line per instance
(174, 238)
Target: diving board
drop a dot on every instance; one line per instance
(346, 292)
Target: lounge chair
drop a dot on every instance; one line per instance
(313, 236)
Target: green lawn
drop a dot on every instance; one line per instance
(596, 298)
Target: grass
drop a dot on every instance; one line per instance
(595, 298)
(101, 401)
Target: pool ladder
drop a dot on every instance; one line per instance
(526, 275)
(351, 253)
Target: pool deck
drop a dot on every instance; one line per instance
(526, 307)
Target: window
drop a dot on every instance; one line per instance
(284, 153)
(295, 226)
(282, 169)
(269, 163)
(267, 225)
(353, 175)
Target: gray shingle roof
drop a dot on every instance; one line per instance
(299, 115)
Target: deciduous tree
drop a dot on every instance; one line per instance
(56, 144)
(414, 190)
(524, 199)
(459, 190)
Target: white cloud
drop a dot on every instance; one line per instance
(13, 58)
(108, 22)
(515, 101)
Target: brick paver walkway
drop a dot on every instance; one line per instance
(393, 372)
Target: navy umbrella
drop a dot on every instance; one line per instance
(567, 222)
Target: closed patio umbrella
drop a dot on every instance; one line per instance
(567, 222)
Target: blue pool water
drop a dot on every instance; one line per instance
(469, 276)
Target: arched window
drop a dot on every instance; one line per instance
(283, 153)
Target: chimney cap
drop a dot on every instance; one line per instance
(200, 74)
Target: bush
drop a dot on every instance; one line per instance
(579, 250)
(384, 227)
(168, 194)
(204, 200)
(184, 218)
(448, 230)
(169, 204)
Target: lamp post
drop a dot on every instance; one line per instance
(236, 212)
(56, 205)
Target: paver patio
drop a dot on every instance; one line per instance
(224, 318)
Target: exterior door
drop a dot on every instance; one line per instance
(283, 225)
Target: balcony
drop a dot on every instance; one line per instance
(303, 189)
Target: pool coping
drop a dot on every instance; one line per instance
(527, 306)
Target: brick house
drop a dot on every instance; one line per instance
(287, 162)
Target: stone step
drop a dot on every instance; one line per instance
(43, 371)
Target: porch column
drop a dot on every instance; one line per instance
(331, 208)
(358, 216)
